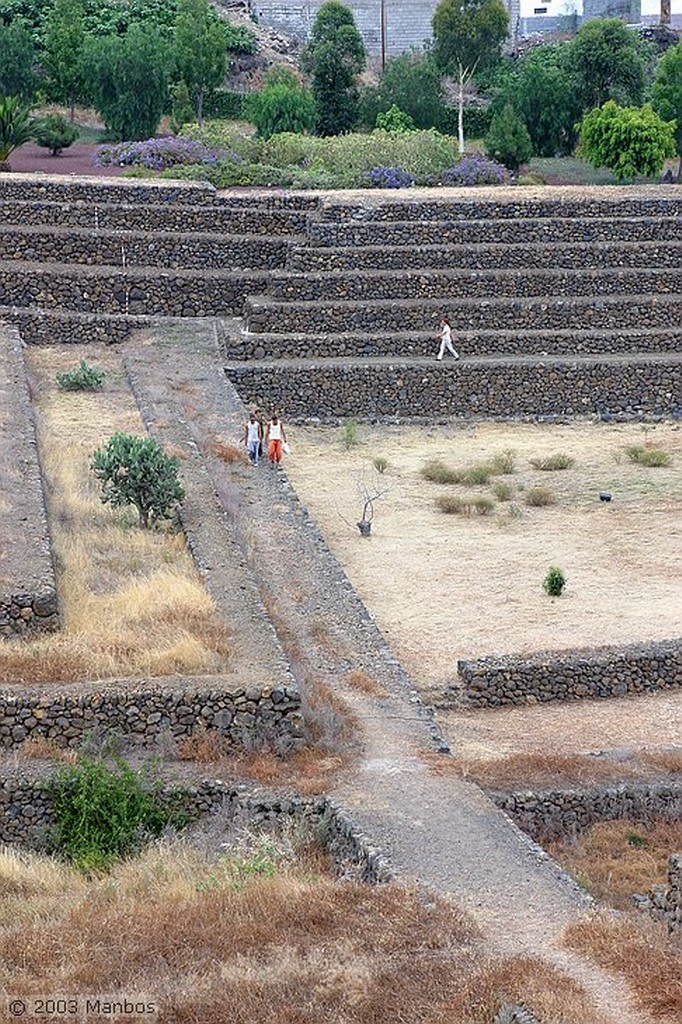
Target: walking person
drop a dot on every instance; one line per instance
(446, 339)
(261, 423)
(253, 439)
(275, 435)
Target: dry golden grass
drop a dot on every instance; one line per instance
(226, 452)
(615, 859)
(132, 601)
(639, 949)
(359, 680)
(40, 748)
(264, 940)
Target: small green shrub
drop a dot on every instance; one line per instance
(54, 132)
(651, 457)
(83, 378)
(103, 814)
(136, 471)
(436, 472)
(349, 434)
(395, 120)
(467, 506)
(380, 464)
(502, 491)
(503, 463)
(554, 582)
(474, 475)
(537, 497)
(553, 462)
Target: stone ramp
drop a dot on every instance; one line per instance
(28, 592)
(433, 828)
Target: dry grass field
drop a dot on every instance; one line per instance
(132, 601)
(443, 587)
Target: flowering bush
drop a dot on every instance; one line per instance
(236, 136)
(472, 170)
(159, 154)
(389, 177)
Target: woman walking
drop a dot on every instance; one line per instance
(446, 339)
(275, 436)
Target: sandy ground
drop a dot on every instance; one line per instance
(444, 587)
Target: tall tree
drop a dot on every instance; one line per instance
(17, 61)
(334, 57)
(468, 35)
(630, 141)
(127, 77)
(607, 63)
(413, 83)
(543, 93)
(200, 50)
(666, 95)
(64, 41)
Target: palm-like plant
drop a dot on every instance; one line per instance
(16, 127)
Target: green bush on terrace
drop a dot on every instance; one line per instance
(307, 161)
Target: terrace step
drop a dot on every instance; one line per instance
(614, 387)
(228, 219)
(61, 189)
(364, 285)
(137, 290)
(490, 256)
(550, 313)
(504, 203)
(399, 345)
(66, 327)
(526, 230)
(169, 250)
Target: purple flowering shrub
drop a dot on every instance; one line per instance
(160, 154)
(472, 170)
(389, 177)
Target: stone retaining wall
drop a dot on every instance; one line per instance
(59, 327)
(640, 388)
(555, 814)
(145, 711)
(26, 816)
(28, 591)
(131, 290)
(570, 675)
(136, 248)
(665, 902)
(90, 190)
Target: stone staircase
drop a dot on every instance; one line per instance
(561, 301)
(91, 260)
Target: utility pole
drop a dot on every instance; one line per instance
(665, 12)
(382, 16)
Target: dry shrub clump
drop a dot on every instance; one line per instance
(226, 452)
(615, 859)
(536, 771)
(361, 681)
(260, 938)
(640, 950)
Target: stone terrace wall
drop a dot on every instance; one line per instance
(26, 815)
(665, 903)
(570, 675)
(28, 592)
(647, 386)
(556, 814)
(146, 711)
(57, 188)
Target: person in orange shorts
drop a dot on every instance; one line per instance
(275, 436)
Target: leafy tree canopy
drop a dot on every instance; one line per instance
(607, 62)
(200, 47)
(413, 83)
(666, 95)
(334, 58)
(630, 141)
(17, 62)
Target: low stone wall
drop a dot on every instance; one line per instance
(145, 711)
(131, 290)
(570, 675)
(447, 285)
(555, 814)
(665, 902)
(58, 327)
(645, 387)
(90, 190)
(26, 814)
(28, 591)
(142, 249)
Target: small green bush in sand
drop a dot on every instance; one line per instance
(537, 497)
(469, 506)
(554, 582)
(83, 378)
(553, 462)
(651, 457)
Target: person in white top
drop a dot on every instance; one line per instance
(446, 339)
(253, 438)
(275, 435)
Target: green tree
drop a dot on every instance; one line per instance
(127, 77)
(16, 128)
(284, 105)
(630, 141)
(666, 95)
(415, 85)
(544, 95)
(508, 140)
(182, 109)
(395, 120)
(17, 62)
(55, 133)
(607, 64)
(334, 58)
(468, 35)
(200, 48)
(64, 41)
(136, 471)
